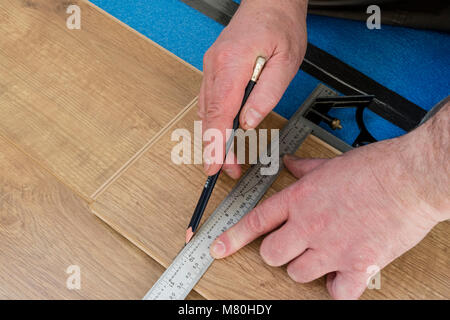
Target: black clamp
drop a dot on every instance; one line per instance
(321, 106)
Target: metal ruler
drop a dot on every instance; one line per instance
(194, 259)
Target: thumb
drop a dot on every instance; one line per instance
(272, 84)
(300, 167)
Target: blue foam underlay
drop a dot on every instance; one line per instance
(413, 63)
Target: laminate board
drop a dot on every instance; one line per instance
(45, 228)
(152, 201)
(83, 102)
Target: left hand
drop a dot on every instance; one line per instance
(364, 208)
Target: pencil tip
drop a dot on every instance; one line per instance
(189, 235)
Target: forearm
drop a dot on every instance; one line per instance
(427, 158)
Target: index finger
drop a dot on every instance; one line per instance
(227, 70)
(222, 103)
(270, 214)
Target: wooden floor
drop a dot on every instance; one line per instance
(86, 117)
(82, 102)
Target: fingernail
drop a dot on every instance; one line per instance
(229, 172)
(218, 249)
(252, 118)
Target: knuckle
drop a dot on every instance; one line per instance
(301, 190)
(255, 222)
(290, 57)
(223, 90)
(200, 114)
(271, 250)
(298, 191)
(214, 111)
(315, 224)
(201, 111)
(285, 56)
(221, 53)
(218, 107)
(224, 55)
(362, 259)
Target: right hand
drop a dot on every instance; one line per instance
(275, 30)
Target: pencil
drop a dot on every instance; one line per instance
(211, 181)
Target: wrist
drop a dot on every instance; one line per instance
(424, 153)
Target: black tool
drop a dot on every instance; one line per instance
(322, 105)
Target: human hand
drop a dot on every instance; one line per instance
(364, 208)
(275, 30)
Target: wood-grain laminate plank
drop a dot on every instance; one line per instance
(83, 102)
(45, 228)
(152, 202)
